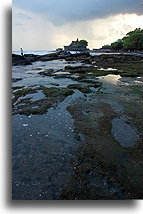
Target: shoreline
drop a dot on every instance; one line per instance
(40, 53)
(72, 115)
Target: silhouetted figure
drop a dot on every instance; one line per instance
(21, 51)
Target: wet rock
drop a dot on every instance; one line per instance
(91, 82)
(31, 57)
(64, 55)
(19, 60)
(54, 56)
(82, 88)
(105, 59)
(16, 79)
(29, 105)
(78, 69)
(50, 56)
(77, 137)
(84, 57)
(48, 72)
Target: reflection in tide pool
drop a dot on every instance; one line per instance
(30, 76)
(110, 79)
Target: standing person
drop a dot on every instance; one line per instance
(21, 51)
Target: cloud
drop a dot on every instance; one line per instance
(61, 12)
(23, 16)
(38, 33)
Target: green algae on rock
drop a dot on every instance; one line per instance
(26, 106)
(82, 88)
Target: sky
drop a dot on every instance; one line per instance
(51, 24)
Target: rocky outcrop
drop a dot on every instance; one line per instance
(31, 57)
(83, 57)
(65, 55)
(109, 59)
(48, 57)
(27, 59)
(78, 69)
(19, 60)
(99, 60)
(76, 46)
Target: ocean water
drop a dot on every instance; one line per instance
(72, 52)
(33, 52)
(40, 52)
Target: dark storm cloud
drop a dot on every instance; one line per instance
(64, 11)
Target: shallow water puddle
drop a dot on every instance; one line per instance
(110, 83)
(123, 133)
(62, 72)
(30, 76)
(107, 69)
(110, 79)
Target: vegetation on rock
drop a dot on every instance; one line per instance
(132, 41)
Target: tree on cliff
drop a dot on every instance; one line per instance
(106, 47)
(118, 45)
(82, 42)
(133, 40)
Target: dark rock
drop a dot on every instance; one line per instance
(54, 56)
(106, 59)
(82, 88)
(16, 79)
(31, 57)
(73, 67)
(48, 57)
(82, 57)
(78, 69)
(27, 59)
(64, 55)
(19, 60)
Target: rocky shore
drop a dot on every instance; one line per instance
(29, 58)
(102, 59)
(77, 126)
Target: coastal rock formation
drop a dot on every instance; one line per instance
(50, 56)
(31, 57)
(77, 46)
(19, 60)
(27, 59)
(84, 57)
(107, 59)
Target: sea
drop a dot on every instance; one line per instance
(33, 52)
(44, 52)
